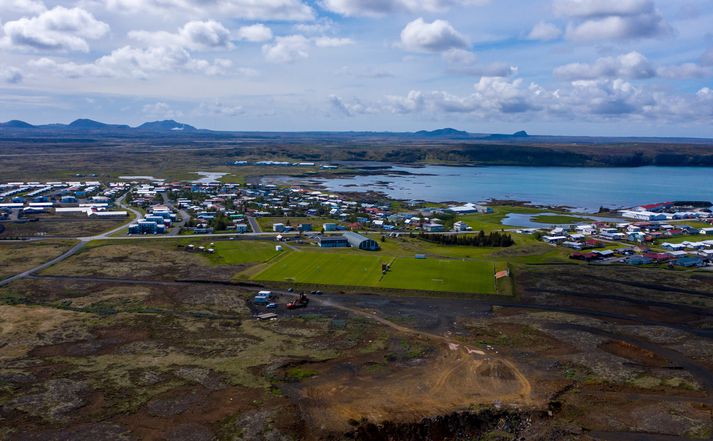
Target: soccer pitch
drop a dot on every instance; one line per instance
(365, 270)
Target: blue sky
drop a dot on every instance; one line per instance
(594, 67)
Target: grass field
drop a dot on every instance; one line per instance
(326, 269)
(365, 270)
(238, 252)
(441, 275)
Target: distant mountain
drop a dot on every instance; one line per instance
(88, 124)
(443, 133)
(16, 124)
(168, 124)
(520, 134)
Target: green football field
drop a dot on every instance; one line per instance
(326, 269)
(365, 270)
(441, 275)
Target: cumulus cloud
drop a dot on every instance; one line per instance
(11, 75)
(140, 63)
(194, 35)
(587, 100)
(438, 36)
(544, 31)
(631, 65)
(257, 33)
(353, 108)
(24, 6)
(57, 29)
(160, 110)
(291, 10)
(287, 49)
(382, 7)
(592, 20)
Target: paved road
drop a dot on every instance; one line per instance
(254, 225)
(75, 249)
(183, 214)
(72, 251)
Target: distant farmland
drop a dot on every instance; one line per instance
(365, 270)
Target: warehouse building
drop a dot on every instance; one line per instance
(361, 242)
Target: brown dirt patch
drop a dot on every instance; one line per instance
(450, 380)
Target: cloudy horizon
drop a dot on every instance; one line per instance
(560, 67)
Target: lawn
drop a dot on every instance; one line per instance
(237, 252)
(441, 275)
(365, 270)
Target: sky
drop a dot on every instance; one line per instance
(559, 67)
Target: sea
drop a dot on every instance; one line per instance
(582, 189)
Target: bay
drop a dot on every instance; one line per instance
(584, 188)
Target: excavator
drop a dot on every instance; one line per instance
(301, 302)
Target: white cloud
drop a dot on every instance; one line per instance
(413, 102)
(58, 29)
(24, 6)
(332, 42)
(140, 63)
(632, 65)
(291, 10)
(593, 20)
(160, 110)
(194, 35)
(372, 8)
(439, 36)
(287, 49)
(582, 100)
(353, 108)
(11, 75)
(257, 33)
(544, 31)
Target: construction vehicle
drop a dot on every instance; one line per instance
(301, 302)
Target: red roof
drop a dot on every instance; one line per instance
(658, 256)
(659, 205)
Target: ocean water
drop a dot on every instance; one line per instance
(584, 188)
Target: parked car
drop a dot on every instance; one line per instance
(271, 306)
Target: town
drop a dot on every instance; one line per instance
(674, 234)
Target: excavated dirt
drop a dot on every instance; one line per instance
(369, 389)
